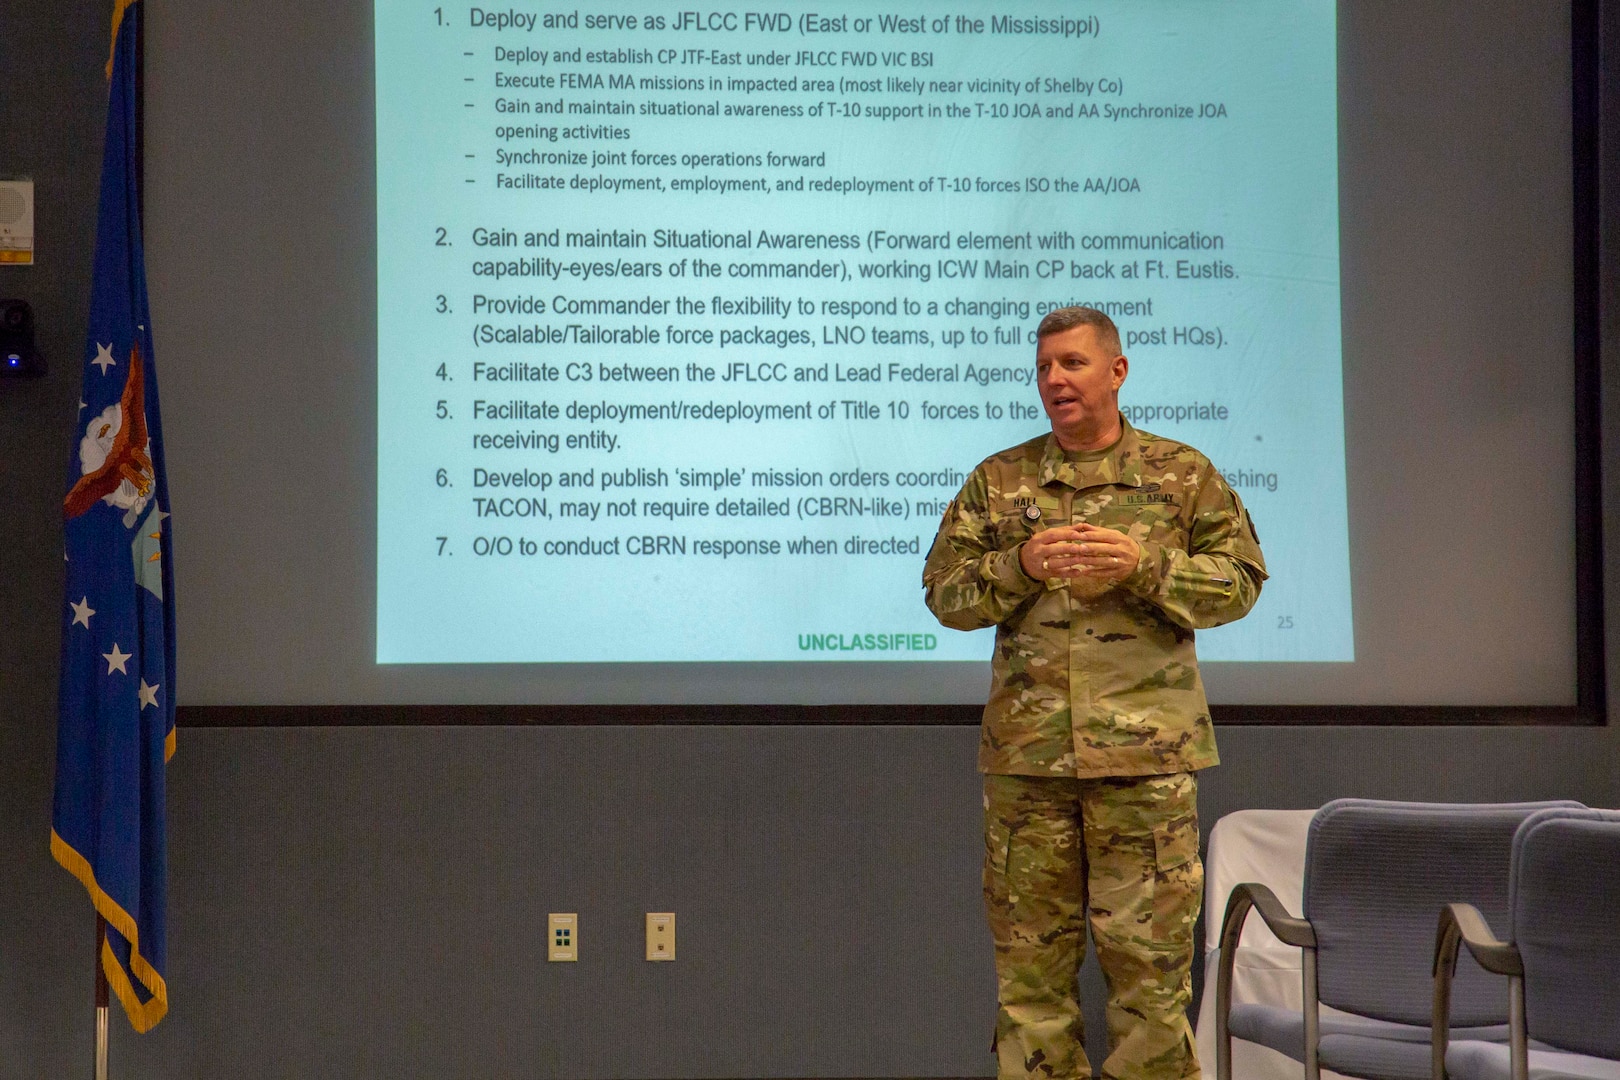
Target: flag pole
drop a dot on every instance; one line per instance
(101, 1000)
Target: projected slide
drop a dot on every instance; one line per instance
(692, 322)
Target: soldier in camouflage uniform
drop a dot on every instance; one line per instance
(1095, 551)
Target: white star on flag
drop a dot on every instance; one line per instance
(116, 659)
(148, 695)
(82, 612)
(104, 357)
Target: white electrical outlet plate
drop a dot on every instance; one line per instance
(660, 935)
(562, 936)
(16, 222)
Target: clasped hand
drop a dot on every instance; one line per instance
(1080, 551)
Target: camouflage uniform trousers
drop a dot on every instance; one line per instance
(1123, 851)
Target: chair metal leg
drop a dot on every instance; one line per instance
(1518, 1042)
(1313, 1025)
(1447, 941)
(1223, 1019)
(1237, 911)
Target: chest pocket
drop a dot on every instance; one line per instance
(1142, 514)
(1011, 527)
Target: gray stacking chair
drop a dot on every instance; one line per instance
(1562, 957)
(1375, 875)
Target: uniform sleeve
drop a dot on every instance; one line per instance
(968, 582)
(1217, 580)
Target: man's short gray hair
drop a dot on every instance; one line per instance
(1067, 318)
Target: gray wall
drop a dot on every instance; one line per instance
(370, 902)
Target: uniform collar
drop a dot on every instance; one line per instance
(1121, 465)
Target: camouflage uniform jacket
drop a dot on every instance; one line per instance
(1104, 684)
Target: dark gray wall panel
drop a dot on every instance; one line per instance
(333, 883)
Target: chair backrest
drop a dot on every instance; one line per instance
(1566, 923)
(1376, 876)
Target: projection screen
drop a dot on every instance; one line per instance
(615, 353)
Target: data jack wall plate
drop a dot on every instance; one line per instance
(562, 936)
(660, 935)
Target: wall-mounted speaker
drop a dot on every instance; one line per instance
(19, 356)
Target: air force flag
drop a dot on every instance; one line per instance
(115, 729)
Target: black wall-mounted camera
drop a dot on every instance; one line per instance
(19, 356)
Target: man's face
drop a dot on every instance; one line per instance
(1079, 380)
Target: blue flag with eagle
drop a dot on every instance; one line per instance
(115, 724)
